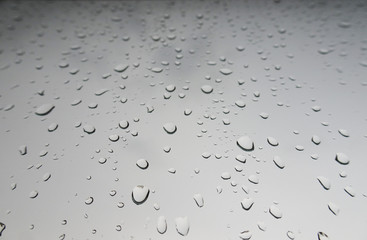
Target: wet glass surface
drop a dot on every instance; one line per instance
(183, 120)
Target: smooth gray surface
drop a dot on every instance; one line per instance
(283, 60)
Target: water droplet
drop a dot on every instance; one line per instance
(52, 127)
(272, 141)
(101, 91)
(121, 68)
(240, 104)
(140, 194)
(316, 139)
(334, 208)
(2, 228)
(206, 89)
(262, 226)
(299, 148)
(89, 129)
(241, 158)
(275, 212)
(120, 204)
(170, 128)
(322, 236)
(226, 176)
(162, 225)
(33, 194)
(114, 137)
(13, 186)
(225, 71)
(182, 225)
(316, 108)
(264, 115)
(279, 162)
(170, 88)
(343, 132)
(118, 228)
(254, 179)
(291, 235)
(187, 112)
(199, 200)
(142, 163)
(247, 203)
(245, 143)
(45, 109)
(245, 235)
(350, 191)
(325, 183)
(342, 158)
(46, 176)
(89, 200)
(172, 170)
(23, 150)
(156, 70)
(102, 160)
(123, 124)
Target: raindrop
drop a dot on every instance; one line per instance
(275, 212)
(334, 208)
(172, 170)
(264, 115)
(272, 141)
(240, 104)
(316, 139)
(343, 132)
(299, 148)
(102, 160)
(226, 176)
(2, 228)
(120, 204)
(89, 200)
(100, 92)
(170, 128)
(89, 129)
(187, 112)
(279, 162)
(247, 203)
(325, 183)
(206, 155)
(199, 200)
(118, 228)
(52, 127)
(245, 235)
(291, 235)
(45, 109)
(46, 176)
(182, 225)
(140, 194)
(33, 194)
(114, 137)
(206, 89)
(262, 226)
(342, 158)
(245, 143)
(23, 150)
(142, 163)
(241, 158)
(156, 70)
(350, 191)
(162, 225)
(123, 124)
(121, 68)
(322, 236)
(225, 71)
(316, 108)
(170, 88)
(253, 179)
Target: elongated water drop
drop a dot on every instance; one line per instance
(182, 225)
(199, 200)
(350, 191)
(140, 194)
(325, 183)
(334, 208)
(161, 224)
(45, 109)
(225, 71)
(279, 162)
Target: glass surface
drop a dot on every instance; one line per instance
(183, 119)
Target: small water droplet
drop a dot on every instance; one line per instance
(102, 160)
(247, 203)
(182, 225)
(254, 179)
(89, 129)
(46, 176)
(245, 143)
(162, 224)
(123, 124)
(275, 212)
(52, 127)
(325, 183)
(226, 176)
(291, 235)
(342, 158)
(170, 88)
(156, 70)
(206, 89)
(121, 68)
(316, 139)
(199, 200)
(334, 208)
(142, 163)
(240, 104)
(89, 200)
(33, 194)
(44, 109)
(225, 71)
(262, 226)
(272, 141)
(279, 162)
(23, 150)
(172, 170)
(350, 191)
(343, 132)
(245, 235)
(114, 137)
(140, 194)
(264, 115)
(241, 158)
(170, 128)
(316, 108)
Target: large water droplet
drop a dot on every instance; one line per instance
(142, 163)
(170, 128)
(140, 194)
(45, 109)
(247, 203)
(325, 183)
(275, 211)
(162, 225)
(182, 225)
(245, 143)
(342, 158)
